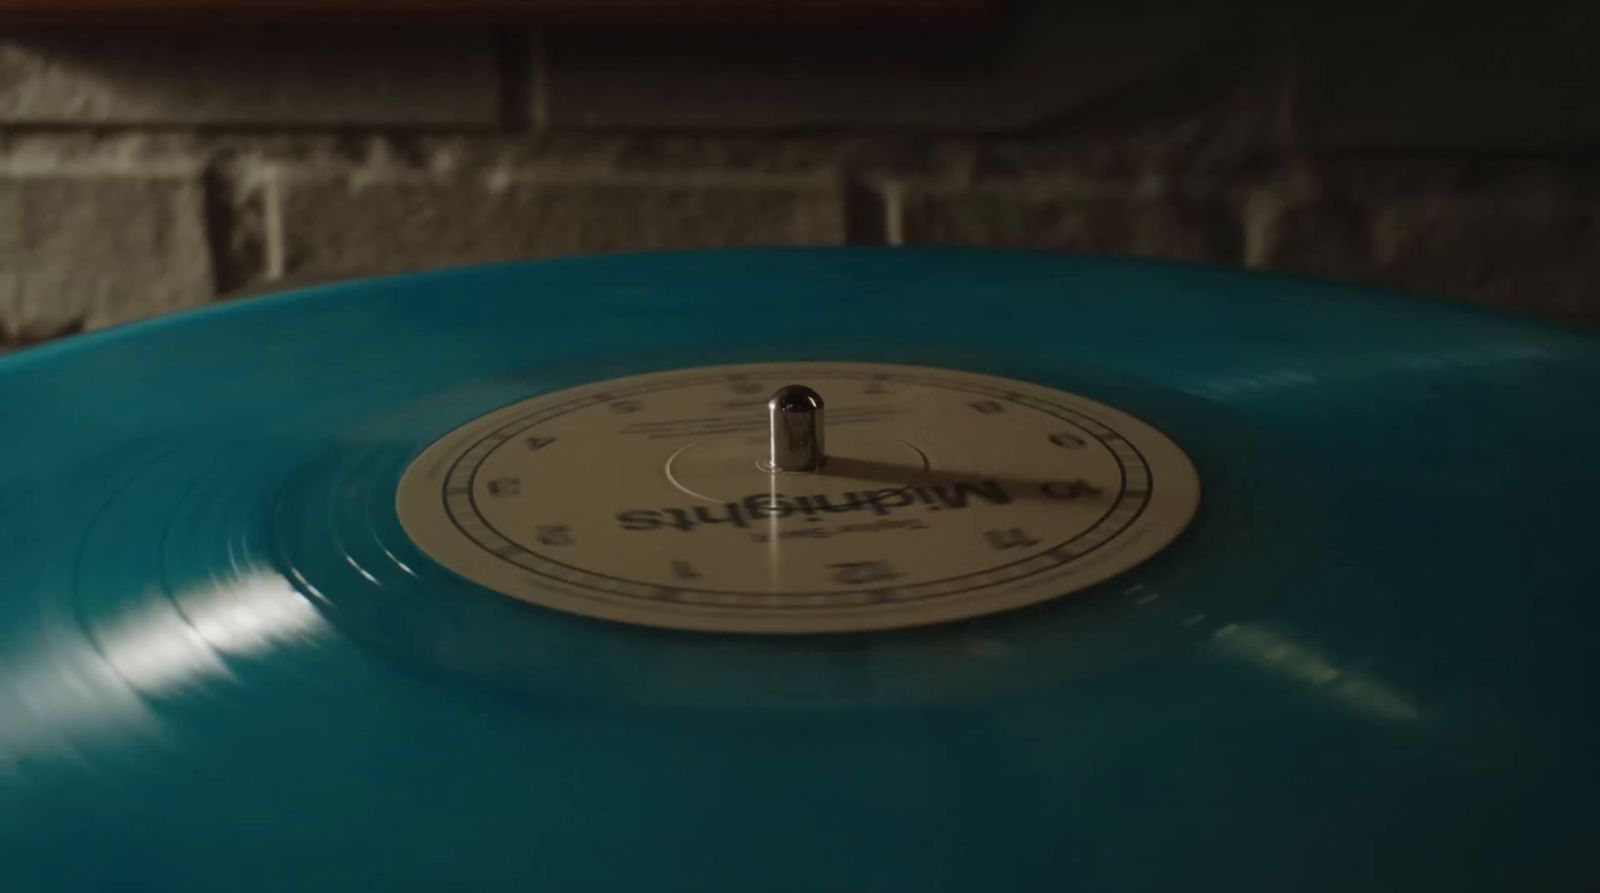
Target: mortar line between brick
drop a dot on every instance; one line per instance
(1260, 213)
(218, 221)
(513, 69)
(539, 89)
(1289, 95)
(272, 236)
(894, 230)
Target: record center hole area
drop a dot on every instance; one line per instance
(727, 469)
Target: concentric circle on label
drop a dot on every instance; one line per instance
(946, 494)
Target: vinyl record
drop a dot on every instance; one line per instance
(1107, 575)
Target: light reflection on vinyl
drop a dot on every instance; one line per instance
(1352, 654)
(102, 685)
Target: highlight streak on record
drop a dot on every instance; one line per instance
(1365, 664)
(102, 687)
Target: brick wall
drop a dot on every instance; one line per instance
(146, 170)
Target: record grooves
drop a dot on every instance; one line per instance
(512, 578)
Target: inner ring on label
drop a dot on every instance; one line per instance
(947, 494)
(720, 469)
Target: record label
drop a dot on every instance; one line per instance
(945, 494)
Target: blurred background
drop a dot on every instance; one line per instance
(154, 163)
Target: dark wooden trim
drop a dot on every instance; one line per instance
(586, 11)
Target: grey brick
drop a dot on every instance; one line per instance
(1467, 76)
(360, 225)
(88, 251)
(1528, 252)
(1048, 66)
(1155, 226)
(323, 76)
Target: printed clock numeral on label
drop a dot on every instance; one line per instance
(945, 495)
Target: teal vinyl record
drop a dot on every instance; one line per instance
(1107, 575)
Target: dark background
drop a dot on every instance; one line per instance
(152, 167)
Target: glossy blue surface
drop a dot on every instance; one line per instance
(1369, 664)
